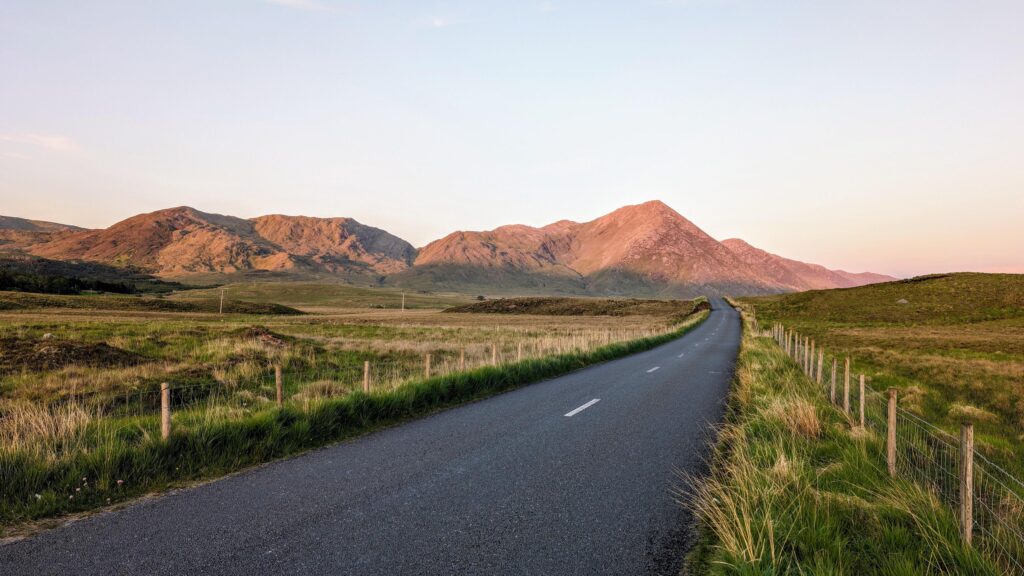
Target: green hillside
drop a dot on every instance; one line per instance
(953, 346)
(936, 299)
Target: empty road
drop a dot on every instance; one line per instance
(567, 476)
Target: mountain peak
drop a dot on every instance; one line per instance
(651, 207)
(640, 249)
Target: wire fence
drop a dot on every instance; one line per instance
(61, 425)
(989, 500)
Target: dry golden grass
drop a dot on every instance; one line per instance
(798, 415)
(224, 365)
(797, 489)
(955, 353)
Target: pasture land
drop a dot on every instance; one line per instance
(325, 296)
(953, 346)
(798, 488)
(80, 402)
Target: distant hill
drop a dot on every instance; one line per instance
(935, 299)
(18, 233)
(644, 250)
(12, 223)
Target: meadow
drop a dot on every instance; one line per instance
(952, 345)
(80, 379)
(797, 487)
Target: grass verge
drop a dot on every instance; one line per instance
(131, 461)
(795, 488)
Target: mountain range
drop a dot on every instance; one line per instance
(647, 249)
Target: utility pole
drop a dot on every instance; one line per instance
(222, 300)
(403, 301)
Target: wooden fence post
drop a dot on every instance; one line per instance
(803, 354)
(832, 395)
(890, 444)
(967, 481)
(861, 400)
(821, 362)
(366, 376)
(810, 361)
(278, 385)
(846, 387)
(462, 359)
(494, 352)
(426, 367)
(519, 352)
(807, 354)
(165, 410)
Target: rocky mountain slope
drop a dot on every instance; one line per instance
(19, 233)
(184, 240)
(644, 250)
(797, 276)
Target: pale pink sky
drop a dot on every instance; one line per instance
(870, 135)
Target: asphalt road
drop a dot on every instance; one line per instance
(512, 484)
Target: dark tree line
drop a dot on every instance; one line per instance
(45, 284)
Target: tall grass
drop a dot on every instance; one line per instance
(796, 488)
(953, 345)
(113, 459)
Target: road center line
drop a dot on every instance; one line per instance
(653, 369)
(582, 408)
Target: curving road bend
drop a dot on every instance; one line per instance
(567, 476)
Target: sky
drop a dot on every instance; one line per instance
(864, 135)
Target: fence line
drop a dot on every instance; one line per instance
(988, 499)
(163, 404)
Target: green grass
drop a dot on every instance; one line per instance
(120, 458)
(198, 304)
(795, 489)
(955, 348)
(557, 306)
(304, 294)
(942, 299)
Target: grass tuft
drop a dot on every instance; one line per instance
(796, 489)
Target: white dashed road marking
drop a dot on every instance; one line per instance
(582, 408)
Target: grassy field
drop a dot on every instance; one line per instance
(557, 306)
(796, 489)
(117, 303)
(324, 296)
(79, 387)
(953, 345)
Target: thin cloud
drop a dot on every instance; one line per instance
(307, 5)
(547, 7)
(437, 22)
(52, 142)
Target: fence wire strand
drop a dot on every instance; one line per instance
(929, 456)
